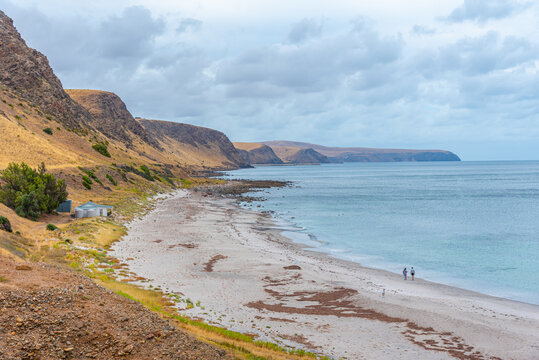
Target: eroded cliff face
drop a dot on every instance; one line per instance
(255, 153)
(111, 117)
(26, 73)
(190, 143)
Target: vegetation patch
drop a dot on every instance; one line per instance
(31, 192)
(90, 174)
(51, 227)
(47, 131)
(87, 182)
(5, 224)
(111, 179)
(102, 149)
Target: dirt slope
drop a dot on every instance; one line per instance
(51, 313)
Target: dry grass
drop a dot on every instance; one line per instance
(285, 153)
(247, 146)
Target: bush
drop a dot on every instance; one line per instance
(112, 180)
(47, 131)
(147, 175)
(5, 224)
(87, 182)
(102, 149)
(31, 192)
(51, 227)
(92, 175)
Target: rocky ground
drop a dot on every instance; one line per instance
(50, 313)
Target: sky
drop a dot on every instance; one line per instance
(460, 75)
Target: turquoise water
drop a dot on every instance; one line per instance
(474, 225)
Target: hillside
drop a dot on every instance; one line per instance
(26, 73)
(189, 144)
(110, 116)
(296, 155)
(358, 154)
(256, 153)
(51, 313)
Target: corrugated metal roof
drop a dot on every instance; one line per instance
(90, 205)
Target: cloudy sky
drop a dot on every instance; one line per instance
(460, 75)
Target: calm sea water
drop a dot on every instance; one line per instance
(474, 225)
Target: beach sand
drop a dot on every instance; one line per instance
(250, 278)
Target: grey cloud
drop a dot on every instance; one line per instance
(189, 24)
(483, 10)
(486, 53)
(132, 34)
(314, 66)
(304, 30)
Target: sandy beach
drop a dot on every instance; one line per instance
(238, 270)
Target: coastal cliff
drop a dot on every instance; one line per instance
(110, 116)
(26, 73)
(256, 153)
(292, 155)
(360, 154)
(42, 122)
(194, 144)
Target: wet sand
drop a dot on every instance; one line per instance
(250, 278)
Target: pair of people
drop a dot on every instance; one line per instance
(405, 273)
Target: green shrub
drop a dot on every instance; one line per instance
(47, 131)
(51, 227)
(18, 117)
(111, 179)
(146, 173)
(92, 175)
(87, 182)
(31, 192)
(102, 149)
(5, 224)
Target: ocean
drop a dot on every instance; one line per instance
(474, 225)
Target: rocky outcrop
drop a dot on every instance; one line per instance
(255, 153)
(208, 146)
(358, 154)
(26, 73)
(111, 117)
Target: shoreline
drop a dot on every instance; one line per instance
(248, 277)
(305, 246)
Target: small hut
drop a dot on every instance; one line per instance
(91, 209)
(64, 207)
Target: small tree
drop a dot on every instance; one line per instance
(28, 206)
(31, 192)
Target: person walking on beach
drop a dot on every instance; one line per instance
(412, 272)
(404, 272)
